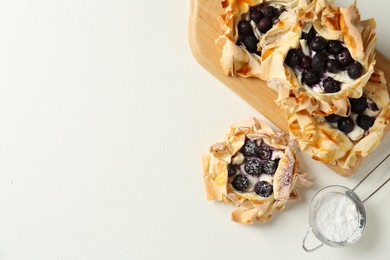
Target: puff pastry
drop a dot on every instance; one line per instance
(255, 169)
(341, 140)
(244, 24)
(331, 56)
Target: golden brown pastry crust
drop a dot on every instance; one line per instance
(236, 60)
(250, 206)
(333, 23)
(328, 144)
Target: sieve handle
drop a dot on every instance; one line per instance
(383, 184)
(309, 250)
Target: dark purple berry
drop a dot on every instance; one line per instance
(365, 122)
(263, 189)
(256, 15)
(270, 166)
(345, 124)
(244, 27)
(332, 66)
(306, 63)
(250, 43)
(250, 148)
(264, 153)
(231, 170)
(331, 86)
(309, 35)
(240, 39)
(253, 167)
(240, 182)
(334, 47)
(270, 11)
(358, 105)
(310, 77)
(344, 57)
(355, 70)
(319, 61)
(256, 7)
(300, 53)
(264, 25)
(373, 106)
(293, 58)
(333, 118)
(318, 44)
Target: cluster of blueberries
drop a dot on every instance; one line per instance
(257, 161)
(358, 106)
(264, 17)
(329, 56)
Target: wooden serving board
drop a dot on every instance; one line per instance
(204, 29)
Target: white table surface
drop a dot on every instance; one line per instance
(104, 116)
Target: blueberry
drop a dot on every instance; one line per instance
(270, 11)
(358, 105)
(345, 124)
(331, 86)
(240, 182)
(231, 170)
(334, 47)
(264, 152)
(310, 77)
(318, 44)
(270, 166)
(355, 70)
(263, 189)
(309, 35)
(264, 25)
(240, 39)
(250, 148)
(293, 58)
(333, 118)
(306, 63)
(344, 57)
(373, 106)
(253, 167)
(244, 28)
(256, 7)
(250, 43)
(365, 122)
(256, 15)
(319, 61)
(332, 66)
(300, 53)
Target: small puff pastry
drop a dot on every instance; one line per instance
(328, 144)
(236, 59)
(332, 23)
(284, 181)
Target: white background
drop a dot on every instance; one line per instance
(104, 117)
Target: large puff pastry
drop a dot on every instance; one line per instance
(330, 66)
(243, 28)
(341, 140)
(255, 169)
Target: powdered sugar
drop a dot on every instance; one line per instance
(337, 218)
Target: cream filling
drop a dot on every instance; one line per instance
(371, 113)
(266, 177)
(356, 134)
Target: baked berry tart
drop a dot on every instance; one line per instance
(244, 24)
(331, 61)
(340, 139)
(255, 169)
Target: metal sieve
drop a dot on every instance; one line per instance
(327, 193)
